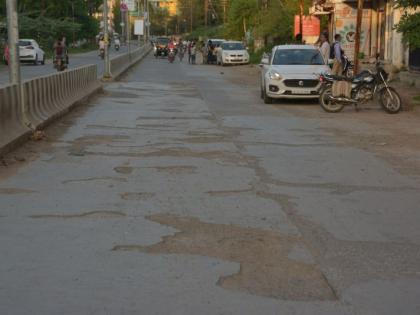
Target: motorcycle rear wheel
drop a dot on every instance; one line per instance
(390, 101)
(327, 104)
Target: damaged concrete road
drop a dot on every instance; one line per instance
(178, 192)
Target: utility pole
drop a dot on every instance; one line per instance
(128, 33)
(224, 3)
(145, 17)
(13, 34)
(107, 65)
(206, 12)
(357, 37)
(301, 18)
(148, 19)
(191, 16)
(138, 17)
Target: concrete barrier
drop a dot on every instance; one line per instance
(47, 97)
(122, 63)
(53, 95)
(43, 99)
(11, 127)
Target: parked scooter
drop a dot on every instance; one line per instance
(362, 88)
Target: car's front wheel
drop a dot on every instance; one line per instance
(267, 99)
(36, 60)
(43, 60)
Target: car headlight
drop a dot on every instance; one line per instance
(226, 55)
(274, 75)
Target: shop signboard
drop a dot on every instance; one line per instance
(311, 27)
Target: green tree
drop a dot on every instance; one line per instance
(242, 17)
(409, 24)
(45, 20)
(116, 11)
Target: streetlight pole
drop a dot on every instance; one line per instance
(107, 65)
(357, 37)
(145, 16)
(301, 18)
(13, 34)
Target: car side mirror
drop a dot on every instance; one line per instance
(264, 61)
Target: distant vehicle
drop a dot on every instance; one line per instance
(161, 47)
(216, 41)
(232, 52)
(6, 55)
(291, 71)
(29, 51)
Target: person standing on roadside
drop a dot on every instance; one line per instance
(324, 48)
(193, 52)
(336, 53)
(189, 51)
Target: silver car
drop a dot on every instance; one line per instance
(292, 71)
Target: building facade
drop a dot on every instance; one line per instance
(170, 5)
(378, 35)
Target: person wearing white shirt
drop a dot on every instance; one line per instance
(324, 48)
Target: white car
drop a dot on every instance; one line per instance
(232, 52)
(292, 71)
(29, 51)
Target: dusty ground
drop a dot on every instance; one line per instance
(178, 192)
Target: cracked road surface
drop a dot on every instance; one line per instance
(177, 191)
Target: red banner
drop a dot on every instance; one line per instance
(311, 26)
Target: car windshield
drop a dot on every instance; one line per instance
(297, 57)
(162, 41)
(216, 42)
(25, 43)
(233, 46)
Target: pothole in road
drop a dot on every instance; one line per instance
(16, 191)
(171, 169)
(137, 195)
(79, 145)
(121, 95)
(265, 266)
(90, 214)
(123, 169)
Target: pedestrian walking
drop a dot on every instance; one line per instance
(189, 51)
(193, 53)
(336, 53)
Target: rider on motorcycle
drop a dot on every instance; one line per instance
(60, 51)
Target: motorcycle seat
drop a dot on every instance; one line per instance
(337, 77)
(360, 76)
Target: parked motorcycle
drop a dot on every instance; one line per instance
(117, 46)
(362, 88)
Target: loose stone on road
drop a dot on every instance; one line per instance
(177, 191)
